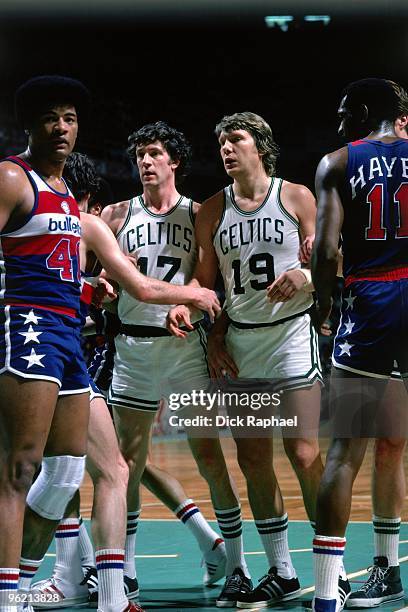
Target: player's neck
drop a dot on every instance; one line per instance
(252, 187)
(48, 168)
(160, 198)
(385, 132)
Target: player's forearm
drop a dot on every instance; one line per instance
(324, 271)
(220, 327)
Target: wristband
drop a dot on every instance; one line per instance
(308, 286)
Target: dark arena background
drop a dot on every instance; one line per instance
(189, 63)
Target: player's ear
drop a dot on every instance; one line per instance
(364, 113)
(401, 126)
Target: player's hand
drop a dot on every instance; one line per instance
(305, 249)
(321, 313)
(104, 291)
(285, 286)
(220, 362)
(325, 329)
(179, 316)
(206, 299)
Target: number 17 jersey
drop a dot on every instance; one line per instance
(164, 247)
(253, 248)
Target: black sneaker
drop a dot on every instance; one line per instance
(271, 589)
(131, 587)
(91, 580)
(335, 604)
(383, 584)
(235, 585)
(344, 591)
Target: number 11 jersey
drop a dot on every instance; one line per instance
(253, 248)
(164, 247)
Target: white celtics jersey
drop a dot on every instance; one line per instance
(164, 246)
(253, 248)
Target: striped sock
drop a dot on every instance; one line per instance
(342, 573)
(85, 546)
(386, 538)
(68, 561)
(327, 558)
(8, 588)
(131, 529)
(191, 516)
(274, 535)
(111, 590)
(230, 524)
(28, 568)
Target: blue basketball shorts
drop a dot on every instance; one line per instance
(372, 336)
(39, 344)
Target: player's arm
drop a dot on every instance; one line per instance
(114, 215)
(220, 362)
(99, 239)
(299, 201)
(329, 180)
(205, 272)
(16, 195)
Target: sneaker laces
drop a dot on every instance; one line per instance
(273, 572)
(377, 575)
(234, 583)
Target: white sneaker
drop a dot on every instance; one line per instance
(57, 593)
(214, 562)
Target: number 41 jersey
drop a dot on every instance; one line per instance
(39, 260)
(164, 247)
(253, 248)
(375, 227)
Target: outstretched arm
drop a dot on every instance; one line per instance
(100, 239)
(329, 178)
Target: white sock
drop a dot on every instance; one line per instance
(28, 568)
(68, 561)
(274, 535)
(8, 588)
(191, 516)
(131, 530)
(327, 559)
(85, 546)
(230, 524)
(386, 538)
(111, 590)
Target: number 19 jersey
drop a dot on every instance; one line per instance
(253, 248)
(165, 248)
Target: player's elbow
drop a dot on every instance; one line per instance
(325, 254)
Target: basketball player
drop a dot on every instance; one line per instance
(251, 230)
(361, 192)
(109, 474)
(39, 346)
(157, 228)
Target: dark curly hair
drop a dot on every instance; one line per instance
(40, 93)
(261, 133)
(80, 175)
(385, 99)
(173, 141)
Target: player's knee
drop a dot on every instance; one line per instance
(20, 472)
(302, 453)
(57, 482)
(210, 468)
(388, 452)
(114, 473)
